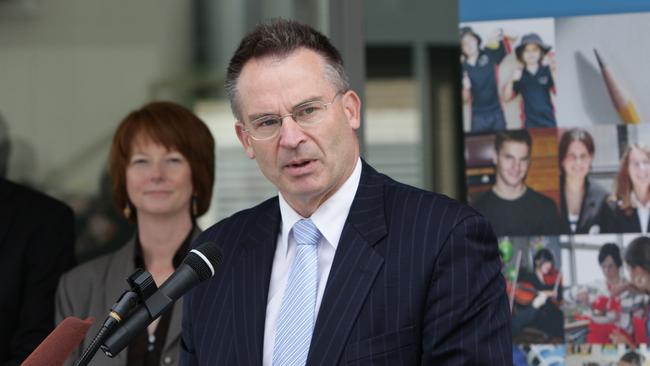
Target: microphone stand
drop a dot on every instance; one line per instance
(142, 287)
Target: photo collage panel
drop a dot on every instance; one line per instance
(556, 120)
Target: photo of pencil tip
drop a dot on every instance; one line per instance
(621, 101)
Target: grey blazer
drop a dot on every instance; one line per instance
(93, 287)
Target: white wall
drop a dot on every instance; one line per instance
(71, 69)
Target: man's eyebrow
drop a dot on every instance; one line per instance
(310, 99)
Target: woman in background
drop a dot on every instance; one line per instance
(628, 210)
(580, 198)
(162, 167)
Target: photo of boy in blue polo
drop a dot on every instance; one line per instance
(480, 78)
(534, 81)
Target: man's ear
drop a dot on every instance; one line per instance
(494, 157)
(352, 108)
(245, 139)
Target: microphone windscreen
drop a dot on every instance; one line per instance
(204, 259)
(58, 345)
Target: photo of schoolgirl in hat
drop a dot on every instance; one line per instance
(533, 79)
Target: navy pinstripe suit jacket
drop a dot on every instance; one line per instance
(415, 280)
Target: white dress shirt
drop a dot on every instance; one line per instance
(329, 218)
(642, 211)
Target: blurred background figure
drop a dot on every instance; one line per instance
(36, 247)
(162, 166)
(637, 257)
(580, 198)
(628, 209)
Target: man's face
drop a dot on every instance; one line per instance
(306, 164)
(512, 163)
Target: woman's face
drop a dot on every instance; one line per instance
(639, 167)
(546, 267)
(640, 278)
(577, 161)
(158, 181)
(609, 268)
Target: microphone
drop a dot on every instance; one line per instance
(198, 265)
(59, 344)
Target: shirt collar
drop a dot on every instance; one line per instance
(180, 254)
(330, 217)
(635, 201)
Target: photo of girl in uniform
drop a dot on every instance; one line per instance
(628, 209)
(533, 79)
(480, 69)
(581, 198)
(489, 59)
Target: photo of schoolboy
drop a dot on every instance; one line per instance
(511, 205)
(533, 79)
(480, 69)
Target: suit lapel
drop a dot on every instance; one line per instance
(250, 281)
(354, 269)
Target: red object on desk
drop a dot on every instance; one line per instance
(58, 345)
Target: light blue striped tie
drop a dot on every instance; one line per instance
(296, 321)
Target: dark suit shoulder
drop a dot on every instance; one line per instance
(433, 199)
(28, 199)
(411, 203)
(229, 231)
(246, 215)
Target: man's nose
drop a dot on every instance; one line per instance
(291, 134)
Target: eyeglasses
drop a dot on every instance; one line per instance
(305, 115)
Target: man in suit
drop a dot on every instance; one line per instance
(36, 247)
(399, 276)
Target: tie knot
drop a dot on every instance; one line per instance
(306, 233)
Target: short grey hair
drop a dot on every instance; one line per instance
(280, 38)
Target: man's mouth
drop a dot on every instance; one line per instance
(298, 164)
